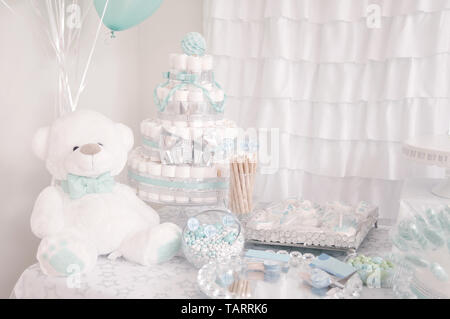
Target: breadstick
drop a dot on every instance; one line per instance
(233, 285)
(248, 184)
(237, 187)
(243, 186)
(240, 287)
(248, 292)
(233, 203)
(253, 175)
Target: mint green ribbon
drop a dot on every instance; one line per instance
(178, 184)
(152, 144)
(78, 186)
(186, 79)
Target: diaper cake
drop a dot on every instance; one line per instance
(184, 154)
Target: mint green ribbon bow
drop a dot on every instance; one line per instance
(185, 79)
(78, 186)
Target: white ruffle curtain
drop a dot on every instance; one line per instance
(343, 95)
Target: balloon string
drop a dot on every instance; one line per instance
(91, 53)
(8, 7)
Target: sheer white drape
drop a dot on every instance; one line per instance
(343, 95)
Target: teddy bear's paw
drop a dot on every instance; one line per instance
(65, 256)
(164, 242)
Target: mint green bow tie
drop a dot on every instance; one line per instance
(78, 186)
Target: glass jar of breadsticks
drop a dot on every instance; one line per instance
(242, 181)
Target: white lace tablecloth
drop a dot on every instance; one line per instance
(174, 279)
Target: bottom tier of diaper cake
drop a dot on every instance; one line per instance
(177, 184)
(299, 222)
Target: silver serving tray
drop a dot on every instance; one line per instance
(326, 240)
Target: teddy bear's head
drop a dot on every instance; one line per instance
(84, 143)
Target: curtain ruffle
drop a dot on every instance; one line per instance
(316, 11)
(333, 42)
(368, 159)
(341, 82)
(343, 95)
(376, 121)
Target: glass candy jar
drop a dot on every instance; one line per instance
(212, 235)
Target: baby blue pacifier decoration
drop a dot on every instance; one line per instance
(193, 43)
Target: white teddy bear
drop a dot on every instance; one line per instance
(86, 213)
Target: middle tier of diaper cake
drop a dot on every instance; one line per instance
(184, 163)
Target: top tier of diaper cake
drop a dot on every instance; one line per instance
(190, 92)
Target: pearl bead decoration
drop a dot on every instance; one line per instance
(204, 242)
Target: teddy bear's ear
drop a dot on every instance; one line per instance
(127, 136)
(40, 142)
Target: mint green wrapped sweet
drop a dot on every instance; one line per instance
(375, 272)
(193, 43)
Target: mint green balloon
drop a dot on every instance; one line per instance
(124, 14)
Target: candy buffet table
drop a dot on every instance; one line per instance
(174, 279)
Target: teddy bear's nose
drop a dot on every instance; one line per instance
(90, 149)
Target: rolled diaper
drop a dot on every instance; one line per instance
(142, 167)
(143, 194)
(210, 199)
(197, 124)
(196, 132)
(195, 95)
(155, 132)
(154, 197)
(167, 198)
(208, 86)
(194, 64)
(154, 168)
(209, 124)
(198, 172)
(183, 171)
(182, 199)
(218, 95)
(168, 171)
(181, 95)
(166, 124)
(135, 163)
(210, 172)
(197, 199)
(207, 62)
(183, 132)
(180, 123)
(155, 157)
